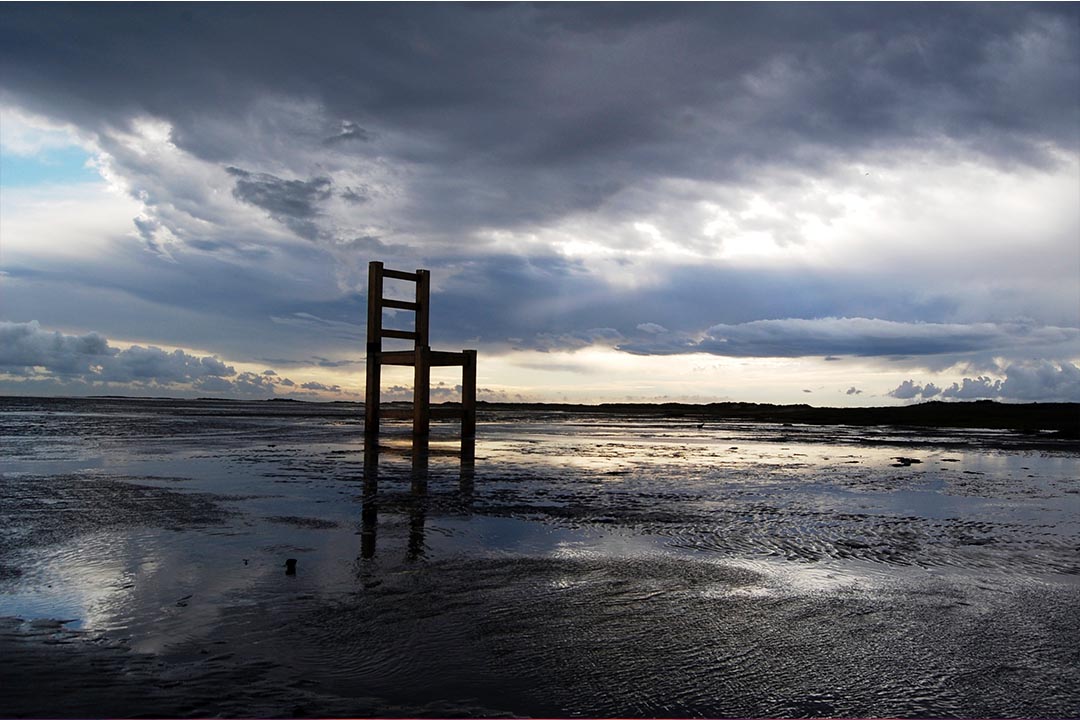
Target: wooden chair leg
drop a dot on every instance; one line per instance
(374, 348)
(422, 392)
(468, 395)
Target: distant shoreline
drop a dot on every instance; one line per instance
(1060, 419)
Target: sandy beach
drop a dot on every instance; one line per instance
(569, 564)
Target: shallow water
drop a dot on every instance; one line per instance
(565, 565)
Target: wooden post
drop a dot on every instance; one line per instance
(422, 391)
(423, 307)
(374, 348)
(422, 364)
(468, 395)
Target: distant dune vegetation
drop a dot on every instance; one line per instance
(1063, 419)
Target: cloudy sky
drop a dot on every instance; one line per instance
(852, 204)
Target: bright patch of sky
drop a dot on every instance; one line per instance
(65, 166)
(35, 151)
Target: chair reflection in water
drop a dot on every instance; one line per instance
(415, 502)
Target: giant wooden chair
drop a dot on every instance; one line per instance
(422, 358)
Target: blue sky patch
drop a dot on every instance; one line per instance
(58, 166)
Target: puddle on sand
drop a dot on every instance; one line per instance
(589, 567)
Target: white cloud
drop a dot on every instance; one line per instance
(320, 386)
(24, 346)
(35, 360)
(26, 349)
(1033, 381)
(26, 134)
(906, 390)
(1042, 380)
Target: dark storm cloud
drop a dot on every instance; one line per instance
(865, 337)
(292, 202)
(147, 227)
(350, 131)
(354, 196)
(314, 360)
(574, 340)
(544, 303)
(288, 198)
(328, 363)
(221, 282)
(558, 305)
(564, 103)
(419, 134)
(335, 328)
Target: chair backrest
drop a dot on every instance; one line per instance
(376, 303)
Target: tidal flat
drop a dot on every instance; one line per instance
(565, 564)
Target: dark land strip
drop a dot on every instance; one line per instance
(1061, 419)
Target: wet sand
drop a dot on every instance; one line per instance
(578, 565)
